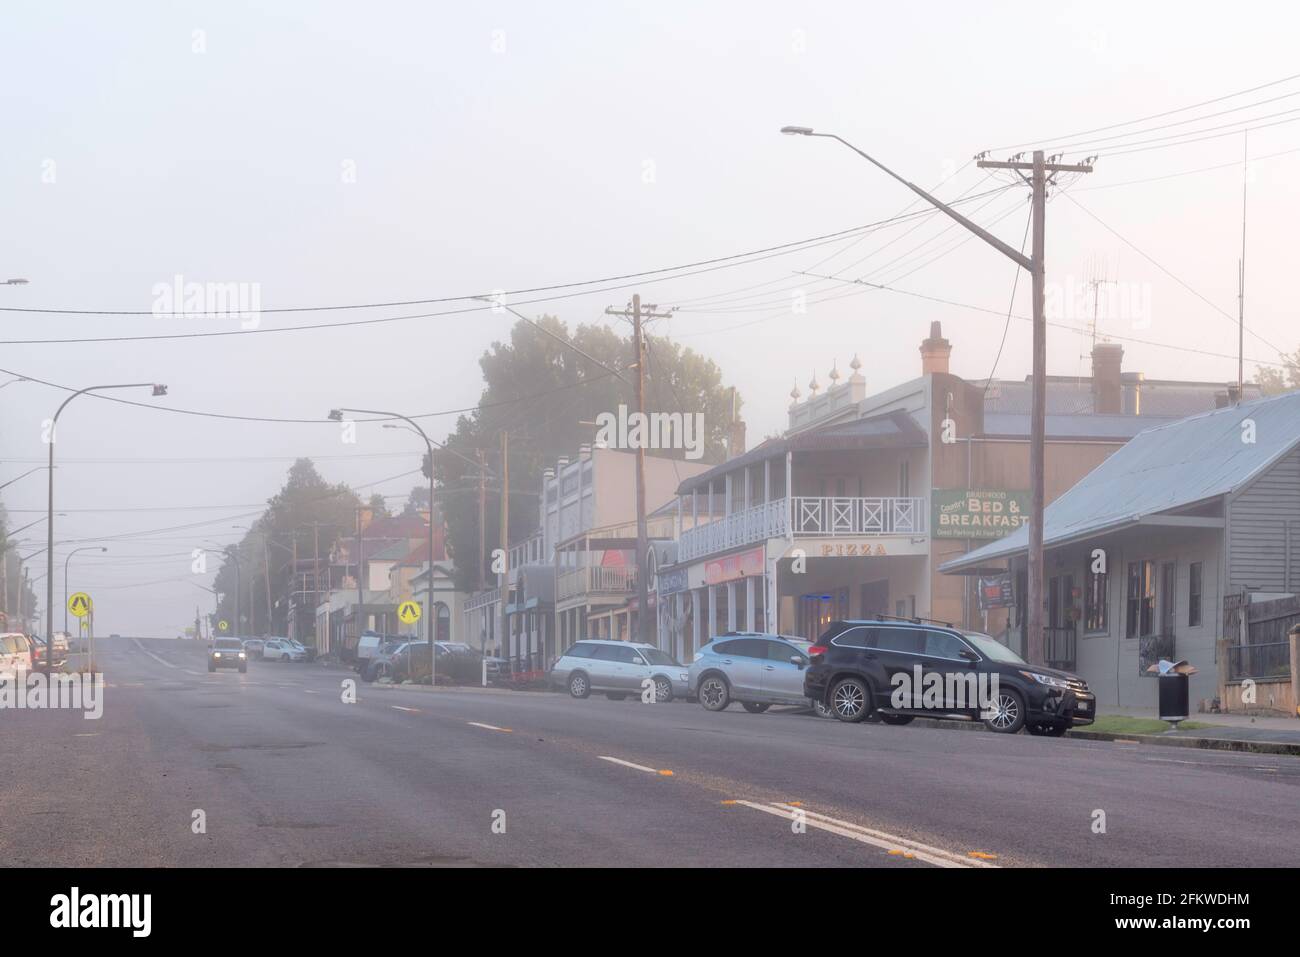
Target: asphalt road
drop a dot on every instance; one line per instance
(287, 773)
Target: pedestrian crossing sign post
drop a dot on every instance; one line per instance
(408, 612)
(223, 625)
(80, 604)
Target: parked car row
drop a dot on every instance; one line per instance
(22, 652)
(407, 659)
(887, 670)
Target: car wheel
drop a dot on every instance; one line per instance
(715, 695)
(614, 696)
(821, 708)
(663, 691)
(755, 707)
(284, 657)
(850, 699)
(1007, 715)
(579, 686)
(1048, 730)
(897, 719)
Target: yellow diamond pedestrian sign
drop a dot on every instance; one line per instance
(79, 604)
(408, 612)
(223, 624)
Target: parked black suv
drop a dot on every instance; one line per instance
(901, 669)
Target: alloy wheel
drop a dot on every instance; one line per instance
(1005, 712)
(713, 692)
(848, 699)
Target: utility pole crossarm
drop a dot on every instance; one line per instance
(1047, 167)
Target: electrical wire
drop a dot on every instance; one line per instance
(1153, 116)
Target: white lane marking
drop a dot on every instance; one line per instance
(398, 707)
(86, 734)
(628, 764)
(309, 691)
(487, 727)
(938, 856)
(151, 654)
(194, 673)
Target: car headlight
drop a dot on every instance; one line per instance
(216, 654)
(242, 655)
(1050, 680)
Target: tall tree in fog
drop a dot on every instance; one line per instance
(306, 511)
(541, 393)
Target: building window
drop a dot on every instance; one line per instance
(1194, 595)
(1140, 621)
(1095, 601)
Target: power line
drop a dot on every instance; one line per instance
(1010, 306)
(1153, 116)
(1176, 279)
(789, 246)
(1188, 172)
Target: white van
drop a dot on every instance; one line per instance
(15, 653)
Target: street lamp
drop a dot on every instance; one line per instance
(336, 415)
(49, 557)
(1034, 265)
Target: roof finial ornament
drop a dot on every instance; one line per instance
(813, 386)
(795, 393)
(834, 375)
(856, 364)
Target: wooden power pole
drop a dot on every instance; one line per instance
(1039, 170)
(635, 313)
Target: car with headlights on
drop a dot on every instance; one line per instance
(900, 669)
(227, 653)
(619, 669)
(756, 669)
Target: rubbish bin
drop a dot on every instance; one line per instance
(1173, 696)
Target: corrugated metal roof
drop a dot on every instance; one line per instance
(1163, 468)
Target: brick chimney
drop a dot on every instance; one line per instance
(1107, 384)
(935, 351)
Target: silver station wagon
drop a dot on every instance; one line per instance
(619, 669)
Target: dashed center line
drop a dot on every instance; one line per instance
(488, 727)
(398, 707)
(635, 767)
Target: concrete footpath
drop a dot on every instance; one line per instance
(1230, 732)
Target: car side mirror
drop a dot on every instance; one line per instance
(968, 655)
(799, 660)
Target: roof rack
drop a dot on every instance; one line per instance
(915, 620)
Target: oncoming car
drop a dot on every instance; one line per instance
(227, 653)
(619, 669)
(901, 669)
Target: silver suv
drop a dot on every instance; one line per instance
(755, 669)
(619, 669)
